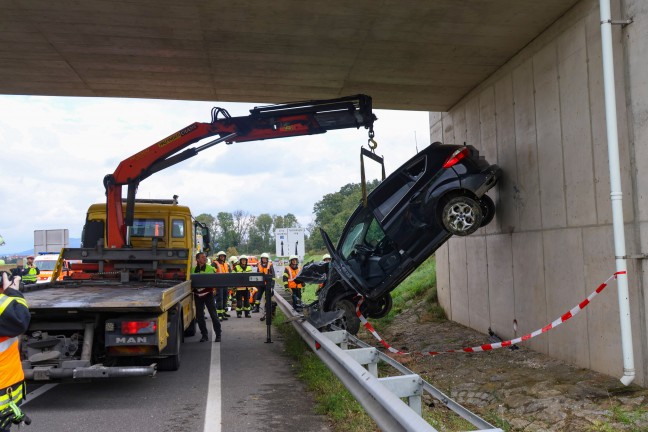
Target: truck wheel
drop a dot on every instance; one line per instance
(172, 362)
(349, 321)
(191, 330)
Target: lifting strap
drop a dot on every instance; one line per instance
(373, 156)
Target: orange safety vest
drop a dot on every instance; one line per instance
(292, 274)
(264, 270)
(11, 371)
(222, 268)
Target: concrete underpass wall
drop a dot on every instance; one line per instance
(541, 118)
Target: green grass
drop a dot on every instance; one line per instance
(420, 286)
(332, 398)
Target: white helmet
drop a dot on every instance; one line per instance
(243, 257)
(233, 259)
(292, 257)
(221, 253)
(326, 256)
(265, 255)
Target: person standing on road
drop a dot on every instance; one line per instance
(205, 297)
(242, 293)
(289, 282)
(30, 272)
(265, 266)
(14, 320)
(220, 264)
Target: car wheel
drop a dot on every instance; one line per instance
(380, 307)
(488, 210)
(462, 215)
(349, 321)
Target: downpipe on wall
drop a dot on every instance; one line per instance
(616, 193)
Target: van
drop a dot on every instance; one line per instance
(46, 264)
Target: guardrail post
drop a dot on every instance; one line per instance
(366, 356)
(409, 386)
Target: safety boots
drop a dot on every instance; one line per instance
(256, 308)
(247, 314)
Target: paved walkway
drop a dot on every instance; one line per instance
(256, 383)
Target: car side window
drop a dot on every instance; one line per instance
(399, 185)
(353, 237)
(375, 234)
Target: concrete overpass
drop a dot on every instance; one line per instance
(519, 79)
(417, 55)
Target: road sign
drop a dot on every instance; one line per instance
(296, 242)
(281, 239)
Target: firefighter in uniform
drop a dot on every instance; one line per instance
(30, 272)
(204, 297)
(242, 293)
(14, 320)
(231, 292)
(220, 264)
(265, 266)
(289, 282)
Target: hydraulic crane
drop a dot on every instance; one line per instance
(266, 122)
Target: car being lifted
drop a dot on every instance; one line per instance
(439, 192)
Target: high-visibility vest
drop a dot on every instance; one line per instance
(11, 371)
(202, 292)
(30, 276)
(239, 269)
(264, 270)
(221, 268)
(292, 274)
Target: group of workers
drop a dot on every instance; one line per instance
(242, 299)
(217, 299)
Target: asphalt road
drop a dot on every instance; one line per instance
(241, 384)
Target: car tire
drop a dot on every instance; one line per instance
(349, 321)
(380, 307)
(462, 215)
(488, 210)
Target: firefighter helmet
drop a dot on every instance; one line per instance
(293, 257)
(221, 253)
(233, 259)
(326, 256)
(265, 255)
(243, 257)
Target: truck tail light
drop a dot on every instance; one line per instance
(455, 157)
(138, 327)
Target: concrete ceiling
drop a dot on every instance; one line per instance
(406, 54)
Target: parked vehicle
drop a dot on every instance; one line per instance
(439, 192)
(46, 264)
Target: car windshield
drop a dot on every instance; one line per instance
(45, 265)
(364, 230)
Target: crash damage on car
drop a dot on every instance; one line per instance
(438, 193)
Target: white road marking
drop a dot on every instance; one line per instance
(39, 391)
(213, 412)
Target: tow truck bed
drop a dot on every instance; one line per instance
(106, 296)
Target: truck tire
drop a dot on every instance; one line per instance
(172, 362)
(191, 330)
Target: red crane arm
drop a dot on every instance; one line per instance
(268, 122)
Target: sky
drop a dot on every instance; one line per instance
(57, 150)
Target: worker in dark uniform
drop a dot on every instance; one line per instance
(265, 266)
(242, 293)
(205, 297)
(290, 282)
(14, 320)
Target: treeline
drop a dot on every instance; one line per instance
(242, 232)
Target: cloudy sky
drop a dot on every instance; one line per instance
(56, 151)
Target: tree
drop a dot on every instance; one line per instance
(226, 236)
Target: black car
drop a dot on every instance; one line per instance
(438, 193)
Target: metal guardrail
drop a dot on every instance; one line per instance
(380, 397)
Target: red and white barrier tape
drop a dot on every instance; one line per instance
(488, 347)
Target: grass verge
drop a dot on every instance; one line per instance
(332, 398)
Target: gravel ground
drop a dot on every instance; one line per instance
(521, 389)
